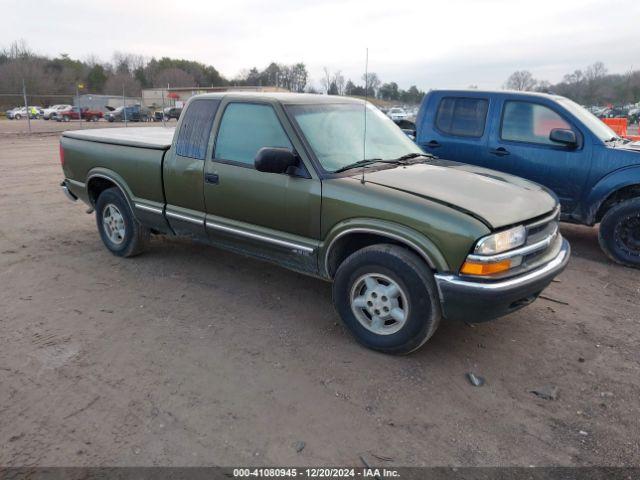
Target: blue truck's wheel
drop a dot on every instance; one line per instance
(120, 232)
(620, 233)
(387, 297)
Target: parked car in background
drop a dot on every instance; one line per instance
(167, 114)
(172, 112)
(9, 113)
(550, 140)
(21, 112)
(73, 113)
(614, 112)
(131, 113)
(397, 113)
(419, 240)
(47, 112)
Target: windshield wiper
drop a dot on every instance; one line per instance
(409, 156)
(370, 161)
(359, 163)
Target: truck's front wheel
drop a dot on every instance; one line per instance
(620, 233)
(121, 233)
(387, 297)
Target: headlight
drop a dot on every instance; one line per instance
(501, 241)
(491, 245)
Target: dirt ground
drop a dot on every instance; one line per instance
(188, 355)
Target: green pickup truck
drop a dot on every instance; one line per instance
(330, 187)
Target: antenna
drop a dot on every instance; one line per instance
(366, 91)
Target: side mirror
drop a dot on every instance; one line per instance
(564, 136)
(275, 160)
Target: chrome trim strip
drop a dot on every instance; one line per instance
(184, 218)
(377, 232)
(527, 249)
(148, 208)
(556, 264)
(547, 219)
(75, 183)
(256, 236)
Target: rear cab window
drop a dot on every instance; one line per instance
(244, 129)
(530, 123)
(195, 129)
(462, 116)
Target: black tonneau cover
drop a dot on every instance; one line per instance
(157, 138)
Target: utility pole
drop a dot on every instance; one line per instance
(78, 86)
(124, 106)
(26, 104)
(163, 121)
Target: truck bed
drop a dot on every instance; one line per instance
(157, 138)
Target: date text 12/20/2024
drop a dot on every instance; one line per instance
(315, 473)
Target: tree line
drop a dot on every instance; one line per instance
(593, 85)
(128, 73)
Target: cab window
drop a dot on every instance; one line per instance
(246, 128)
(530, 122)
(195, 129)
(463, 117)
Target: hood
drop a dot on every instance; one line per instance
(496, 198)
(631, 146)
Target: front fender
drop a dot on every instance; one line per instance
(606, 186)
(412, 238)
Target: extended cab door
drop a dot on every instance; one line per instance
(268, 215)
(183, 169)
(520, 145)
(453, 127)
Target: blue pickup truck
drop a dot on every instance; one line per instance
(550, 140)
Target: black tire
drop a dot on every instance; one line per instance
(416, 281)
(17, 116)
(619, 234)
(136, 236)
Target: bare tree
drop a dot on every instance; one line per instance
(325, 81)
(521, 80)
(339, 81)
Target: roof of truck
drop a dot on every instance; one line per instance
(495, 92)
(283, 97)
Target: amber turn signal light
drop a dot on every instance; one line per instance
(477, 268)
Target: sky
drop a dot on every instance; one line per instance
(445, 44)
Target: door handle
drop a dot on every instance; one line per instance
(500, 151)
(433, 144)
(212, 178)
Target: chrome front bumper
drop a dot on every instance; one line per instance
(481, 300)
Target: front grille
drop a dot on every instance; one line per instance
(545, 229)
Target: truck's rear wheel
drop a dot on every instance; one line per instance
(620, 233)
(387, 297)
(121, 233)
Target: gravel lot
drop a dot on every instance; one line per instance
(188, 355)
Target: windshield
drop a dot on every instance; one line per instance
(593, 123)
(335, 132)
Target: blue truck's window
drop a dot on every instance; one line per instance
(464, 117)
(196, 129)
(529, 122)
(246, 128)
